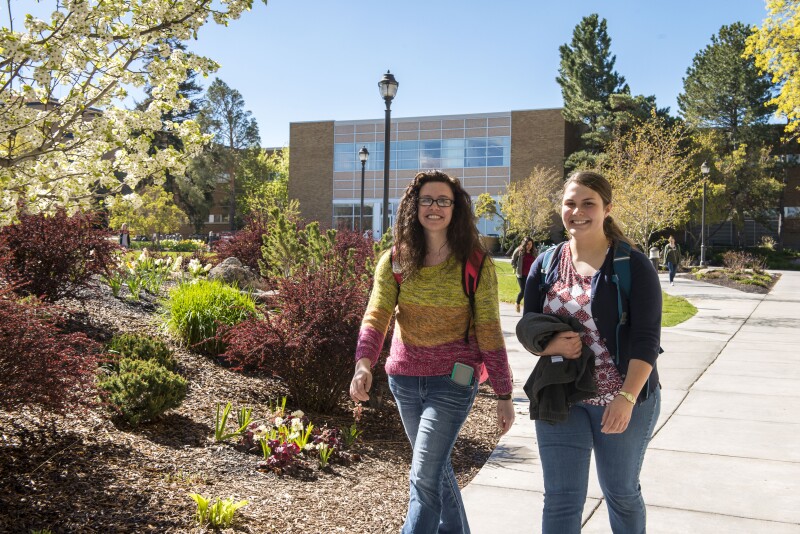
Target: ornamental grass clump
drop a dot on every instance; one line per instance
(197, 309)
(142, 390)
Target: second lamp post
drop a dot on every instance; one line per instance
(363, 155)
(388, 87)
(704, 170)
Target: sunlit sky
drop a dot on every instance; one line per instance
(305, 60)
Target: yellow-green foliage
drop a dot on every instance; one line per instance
(196, 309)
(142, 347)
(219, 514)
(153, 212)
(774, 47)
(531, 204)
(143, 390)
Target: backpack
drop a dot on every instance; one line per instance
(621, 277)
(470, 276)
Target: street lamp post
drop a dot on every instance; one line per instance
(704, 170)
(388, 88)
(363, 155)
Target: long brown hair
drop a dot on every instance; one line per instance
(598, 183)
(409, 236)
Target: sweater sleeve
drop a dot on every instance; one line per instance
(381, 306)
(488, 331)
(645, 310)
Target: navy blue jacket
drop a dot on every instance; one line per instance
(640, 338)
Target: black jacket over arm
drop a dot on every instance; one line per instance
(555, 383)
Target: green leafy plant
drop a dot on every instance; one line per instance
(143, 390)
(115, 279)
(221, 422)
(195, 310)
(244, 417)
(142, 347)
(266, 450)
(41, 531)
(325, 451)
(219, 514)
(303, 436)
(351, 435)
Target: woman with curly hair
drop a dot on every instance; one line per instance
(435, 235)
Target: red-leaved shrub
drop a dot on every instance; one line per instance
(40, 365)
(246, 244)
(53, 256)
(310, 341)
(361, 249)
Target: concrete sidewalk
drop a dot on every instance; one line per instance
(725, 457)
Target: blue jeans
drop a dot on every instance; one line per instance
(433, 409)
(672, 270)
(565, 450)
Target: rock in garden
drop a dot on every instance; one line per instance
(231, 271)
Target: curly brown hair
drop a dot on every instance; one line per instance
(409, 237)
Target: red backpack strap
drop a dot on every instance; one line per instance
(469, 281)
(396, 272)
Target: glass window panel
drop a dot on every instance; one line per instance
(476, 152)
(345, 166)
(475, 162)
(494, 161)
(341, 148)
(453, 163)
(455, 144)
(343, 210)
(409, 145)
(432, 144)
(476, 142)
(506, 160)
(426, 162)
(494, 151)
(408, 164)
(498, 141)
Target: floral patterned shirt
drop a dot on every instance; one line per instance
(570, 295)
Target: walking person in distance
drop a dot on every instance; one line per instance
(521, 261)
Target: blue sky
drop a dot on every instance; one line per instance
(304, 60)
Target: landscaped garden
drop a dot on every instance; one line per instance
(143, 393)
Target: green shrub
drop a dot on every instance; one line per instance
(143, 390)
(142, 347)
(196, 309)
(189, 245)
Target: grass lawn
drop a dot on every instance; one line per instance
(675, 309)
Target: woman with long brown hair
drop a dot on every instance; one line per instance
(441, 341)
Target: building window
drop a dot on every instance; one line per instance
(427, 154)
(346, 216)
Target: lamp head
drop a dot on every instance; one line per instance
(388, 86)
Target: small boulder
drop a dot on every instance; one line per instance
(231, 271)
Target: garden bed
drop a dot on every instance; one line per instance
(83, 473)
(747, 280)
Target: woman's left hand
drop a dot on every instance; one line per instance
(505, 415)
(616, 416)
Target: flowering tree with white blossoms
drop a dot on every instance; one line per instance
(65, 139)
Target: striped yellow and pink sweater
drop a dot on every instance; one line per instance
(432, 314)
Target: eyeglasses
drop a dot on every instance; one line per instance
(441, 202)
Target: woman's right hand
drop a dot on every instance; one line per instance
(362, 380)
(566, 344)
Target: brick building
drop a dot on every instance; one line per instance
(485, 151)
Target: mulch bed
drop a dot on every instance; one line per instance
(721, 278)
(83, 473)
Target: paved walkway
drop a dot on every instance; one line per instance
(726, 454)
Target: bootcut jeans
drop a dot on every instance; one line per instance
(433, 409)
(565, 450)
